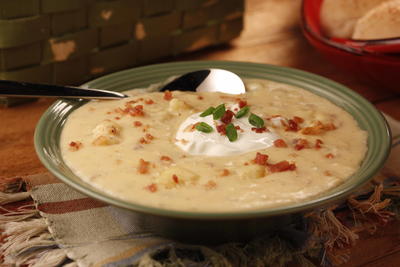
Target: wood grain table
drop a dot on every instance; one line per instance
(271, 35)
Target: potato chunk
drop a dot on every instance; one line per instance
(106, 133)
(177, 105)
(174, 176)
(251, 171)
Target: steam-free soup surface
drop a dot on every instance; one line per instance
(130, 148)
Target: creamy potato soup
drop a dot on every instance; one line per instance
(273, 146)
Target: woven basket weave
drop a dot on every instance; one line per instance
(72, 41)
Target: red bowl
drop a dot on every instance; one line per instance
(375, 61)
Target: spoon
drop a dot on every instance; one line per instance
(209, 80)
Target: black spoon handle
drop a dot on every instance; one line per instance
(23, 89)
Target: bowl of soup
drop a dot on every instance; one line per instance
(193, 165)
(360, 37)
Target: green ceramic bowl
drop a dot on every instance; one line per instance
(226, 225)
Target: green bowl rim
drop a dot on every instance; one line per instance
(245, 214)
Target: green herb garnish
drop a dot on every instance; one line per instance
(242, 112)
(231, 132)
(204, 127)
(219, 112)
(207, 112)
(256, 121)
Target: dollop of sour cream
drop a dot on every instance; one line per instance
(196, 142)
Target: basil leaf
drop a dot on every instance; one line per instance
(219, 112)
(204, 127)
(256, 121)
(207, 112)
(242, 112)
(231, 132)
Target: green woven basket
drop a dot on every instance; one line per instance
(72, 41)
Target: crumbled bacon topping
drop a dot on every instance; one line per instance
(149, 101)
(227, 117)
(137, 123)
(300, 144)
(136, 111)
(260, 130)
(327, 173)
(210, 185)
(292, 126)
(199, 97)
(175, 178)
(260, 159)
(152, 188)
(280, 143)
(117, 118)
(144, 141)
(298, 120)
(149, 136)
(221, 128)
(167, 95)
(143, 166)
(242, 103)
(166, 158)
(329, 156)
(282, 166)
(318, 143)
(75, 145)
(318, 128)
(224, 172)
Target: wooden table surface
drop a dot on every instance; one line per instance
(271, 35)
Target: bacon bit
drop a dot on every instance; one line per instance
(300, 143)
(329, 156)
(221, 129)
(143, 166)
(224, 172)
(143, 141)
(260, 130)
(75, 145)
(237, 127)
(199, 97)
(298, 119)
(210, 185)
(246, 164)
(152, 188)
(327, 173)
(166, 158)
(292, 126)
(167, 95)
(260, 159)
(149, 101)
(137, 123)
(227, 117)
(136, 111)
(117, 118)
(108, 112)
(280, 143)
(149, 136)
(318, 143)
(175, 179)
(242, 103)
(318, 128)
(329, 126)
(282, 166)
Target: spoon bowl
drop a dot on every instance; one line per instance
(208, 80)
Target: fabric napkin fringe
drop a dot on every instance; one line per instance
(329, 233)
(26, 238)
